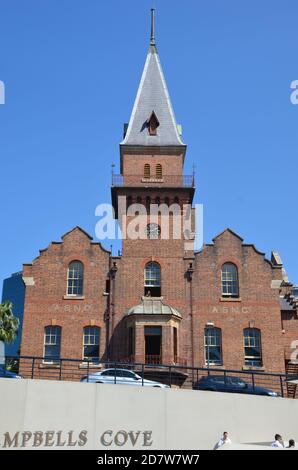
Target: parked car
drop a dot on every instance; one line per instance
(6, 374)
(120, 377)
(221, 383)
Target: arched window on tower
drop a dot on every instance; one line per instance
(75, 278)
(159, 171)
(229, 280)
(152, 280)
(252, 347)
(146, 170)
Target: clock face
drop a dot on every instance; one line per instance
(153, 231)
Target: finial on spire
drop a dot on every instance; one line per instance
(152, 38)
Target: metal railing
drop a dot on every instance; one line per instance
(153, 359)
(184, 181)
(33, 367)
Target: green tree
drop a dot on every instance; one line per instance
(9, 324)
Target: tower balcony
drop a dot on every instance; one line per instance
(166, 181)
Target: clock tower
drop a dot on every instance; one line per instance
(152, 199)
(151, 176)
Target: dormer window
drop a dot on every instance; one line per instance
(152, 124)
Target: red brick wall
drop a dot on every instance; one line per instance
(257, 306)
(45, 303)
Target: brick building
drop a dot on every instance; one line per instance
(160, 302)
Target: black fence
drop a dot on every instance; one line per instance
(32, 367)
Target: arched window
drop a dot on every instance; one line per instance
(146, 170)
(252, 347)
(152, 280)
(229, 280)
(212, 342)
(52, 343)
(75, 278)
(158, 171)
(91, 343)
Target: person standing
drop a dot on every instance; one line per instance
(223, 441)
(291, 444)
(278, 443)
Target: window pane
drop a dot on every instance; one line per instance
(152, 275)
(213, 346)
(91, 342)
(75, 278)
(153, 330)
(91, 351)
(252, 347)
(52, 340)
(229, 277)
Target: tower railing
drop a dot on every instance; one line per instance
(183, 181)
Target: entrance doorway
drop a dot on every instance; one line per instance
(153, 344)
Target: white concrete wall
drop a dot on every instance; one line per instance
(178, 419)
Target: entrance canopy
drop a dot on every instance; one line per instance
(153, 306)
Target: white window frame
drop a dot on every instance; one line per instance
(52, 335)
(78, 277)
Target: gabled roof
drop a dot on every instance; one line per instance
(228, 230)
(77, 228)
(152, 96)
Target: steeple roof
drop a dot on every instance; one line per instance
(152, 97)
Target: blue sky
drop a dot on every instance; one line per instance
(71, 70)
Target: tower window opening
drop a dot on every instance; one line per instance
(146, 170)
(152, 284)
(158, 171)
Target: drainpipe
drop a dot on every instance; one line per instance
(190, 272)
(113, 272)
(107, 315)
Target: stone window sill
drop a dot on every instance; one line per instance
(253, 369)
(74, 297)
(213, 366)
(84, 365)
(49, 365)
(230, 299)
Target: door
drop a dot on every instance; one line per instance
(153, 344)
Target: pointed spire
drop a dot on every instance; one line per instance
(152, 100)
(152, 37)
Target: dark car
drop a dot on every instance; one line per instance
(221, 383)
(6, 374)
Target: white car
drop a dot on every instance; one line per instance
(120, 377)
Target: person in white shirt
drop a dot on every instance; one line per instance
(278, 443)
(223, 441)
